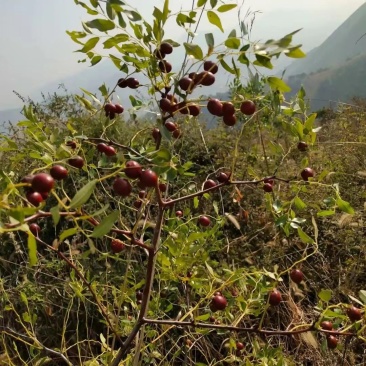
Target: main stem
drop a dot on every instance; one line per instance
(150, 274)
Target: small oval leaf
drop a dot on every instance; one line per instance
(83, 194)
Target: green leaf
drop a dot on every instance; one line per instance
(262, 60)
(325, 295)
(83, 194)
(133, 15)
(305, 238)
(226, 66)
(299, 203)
(210, 39)
(278, 84)
(295, 53)
(193, 50)
(116, 40)
(89, 10)
(309, 123)
(32, 249)
(344, 206)
(95, 60)
(69, 232)
(213, 3)
(325, 213)
(121, 21)
(103, 25)
(165, 11)
(89, 45)
(201, 3)
(227, 7)
(106, 225)
(362, 296)
(55, 212)
(233, 43)
(110, 11)
(214, 19)
(202, 317)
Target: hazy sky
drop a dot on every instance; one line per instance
(35, 50)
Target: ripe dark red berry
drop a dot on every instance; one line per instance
(71, 144)
(354, 313)
(106, 149)
(142, 194)
(101, 147)
(210, 66)
(209, 184)
(172, 98)
(44, 195)
(165, 105)
(35, 198)
(170, 126)
(133, 169)
(117, 246)
(214, 106)
(165, 66)
(194, 110)
(159, 54)
(122, 187)
(139, 295)
(119, 108)
(178, 213)
(156, 134)
(34, 229)
(132, 83)
(332, 342)
(247, 107)
(307, 173)
(110, 108)
(275, 298)
(229, 120)
(239, 346)
(228, 109)
(137, 204)
(222, 177)
(162, 187)
(42, 182)
(28, 180)
(76, 162)
(58, 172)
(204, 221)
(110, 151)
(148, 178)
(218, 302)
(206, 78)
(269, 180)
(267, 187)
(122, 83)
(326, 325)
(177, 134)
(166, 48)
(297, 276)
(302, 146)
(186, 83)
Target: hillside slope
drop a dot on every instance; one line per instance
(343, 44)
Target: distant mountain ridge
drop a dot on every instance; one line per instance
(336, 69)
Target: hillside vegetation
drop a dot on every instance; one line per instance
(159, 241)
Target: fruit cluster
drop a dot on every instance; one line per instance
(111, 110)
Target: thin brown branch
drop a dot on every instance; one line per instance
(150, 273)
(257, 330)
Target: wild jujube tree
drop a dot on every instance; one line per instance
(148, 201)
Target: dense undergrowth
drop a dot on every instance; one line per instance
(48, 302)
